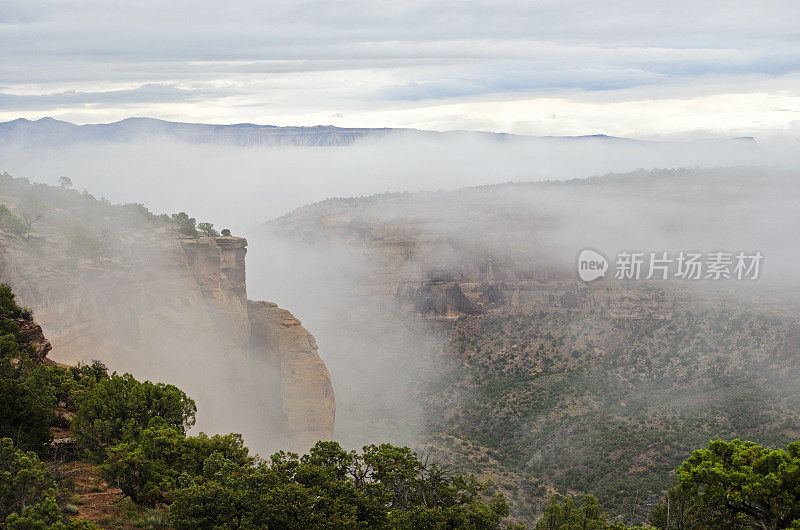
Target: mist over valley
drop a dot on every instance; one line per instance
(399, 265)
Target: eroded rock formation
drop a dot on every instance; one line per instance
(306, 391)
(436, 298)
(270, 333)
(176, 310)
(31, 334)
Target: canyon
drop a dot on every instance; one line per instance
(452, 322)
(527, 371)
(171, 308)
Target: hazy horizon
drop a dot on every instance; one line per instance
(211, 181)
(649, 70)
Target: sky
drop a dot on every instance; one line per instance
(672, 70)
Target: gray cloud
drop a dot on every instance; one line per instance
(521, 77)
(371, 55)
(149, 93)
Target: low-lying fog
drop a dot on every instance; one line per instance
(375, 363)
(377, 360)
(239, 187)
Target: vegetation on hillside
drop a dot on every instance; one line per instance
(10, 222)
(89, 228)
(566, 402)
(610, 406)
(136, 432)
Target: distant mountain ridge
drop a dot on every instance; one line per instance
(55, 132)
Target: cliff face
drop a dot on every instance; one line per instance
(268, 333)
(514, 247)
(306, 391)
(175, 310)
(443, 260)
(31, 334)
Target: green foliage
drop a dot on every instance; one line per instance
(161, 458)
(9, 327)
(28, 394)
(82, 524)
(26, 405)
(9, 307)
(225, 232)
(207, 229)
(146, 468)
(565, 514)
(152, 518)
(118, 408)
(186, 225)
(11, 223)
(384, 487)
(138, 431)
(743, 485)
(28, 493)
(678, 510)
(88, 374)
(24, 480)
(516, 392)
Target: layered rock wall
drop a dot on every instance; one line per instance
(272, 334)
(176, 310)
(306, 391)
(30, 333)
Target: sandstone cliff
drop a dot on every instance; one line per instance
(513, 247)
(168, 308)
(269, 333)
(306, 391)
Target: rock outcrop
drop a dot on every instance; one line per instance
(176, 310)
(31, 334)
(271, 333)
(470, 252)
(306, 391)
(437, 298)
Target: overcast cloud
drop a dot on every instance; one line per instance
(543, 67)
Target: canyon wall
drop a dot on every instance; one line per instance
(269, 334)
(514, 247)
(530, 363)
(175, 309)
(462, 257)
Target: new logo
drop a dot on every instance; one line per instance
(591, 265)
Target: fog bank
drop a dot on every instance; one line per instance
(238, 187)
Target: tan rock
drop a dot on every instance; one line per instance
(306, 393)
(31, 334)
(306, 390)
(175, 310)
